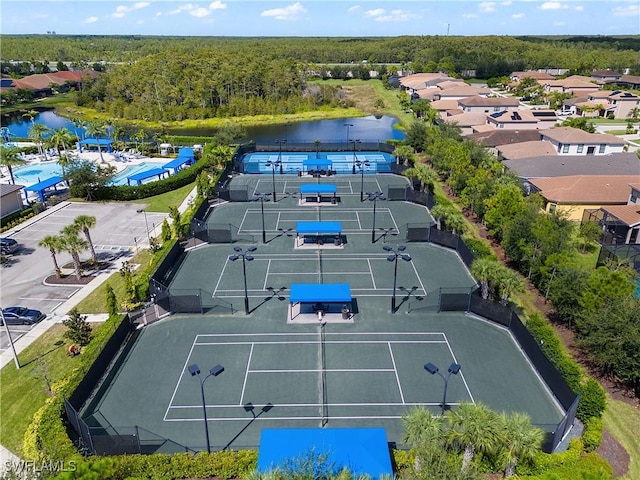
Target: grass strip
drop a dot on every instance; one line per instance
(623, 422)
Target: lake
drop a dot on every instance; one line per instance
(364, 129)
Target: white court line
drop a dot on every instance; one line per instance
(304, 334)
(332, 342)
(395, 370)
(184, 367)
(316, 370)
(220, 277)
(278, 221)
(358, 217)
(242, 221)
(373, 280)
(266, 276)
(419, 279)
(246, 374)
(464, 380)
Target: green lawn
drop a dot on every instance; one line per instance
(623, 422)
(24, 391)
(161, 203)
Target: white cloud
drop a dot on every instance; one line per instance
(217, 5)
(470, 15)
(199, 12)
(90, 20)
(559, 24)
(629, 11)
(122, 10)
(182, 8)
(517, 15)
(395, 16)
(291, 12)
(505, 4)
(375, 13)
(487, 6)
(578, 8)
(355, 8)
(553, 6)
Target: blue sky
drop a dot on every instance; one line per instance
(321, 17)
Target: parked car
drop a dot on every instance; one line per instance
(22, 316)
(8, 245)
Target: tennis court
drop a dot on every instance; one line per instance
(368, 372)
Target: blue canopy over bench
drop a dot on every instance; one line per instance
(318, 190)
(320, 299)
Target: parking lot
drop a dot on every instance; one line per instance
(120, 229)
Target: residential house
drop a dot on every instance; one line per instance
(445, 108)
(606, 76)
(482, 104)
(418, 81)
(621, 224)
(43, 84)
(538, 76)
(602, 103)
(632, 82)
(461, 91)
(574, 194)
(466, 121)
(573, 141)
(534, 148)
(10, 199)
(575, 84)
(546, 118)
(492, 138)
(513, 120)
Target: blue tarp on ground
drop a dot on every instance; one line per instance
(40, 187)
(94, 142)
(176, 163)
(317, 188)
(138, 177)
(320, 293)
(318, 228)
(364, 451)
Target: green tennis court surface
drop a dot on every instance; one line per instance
(277, 375)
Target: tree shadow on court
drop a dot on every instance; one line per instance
(274, 294)
(249, 407)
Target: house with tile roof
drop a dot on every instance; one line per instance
(519, 76)
(606, 76)
(534, 148)
(575, 84)
(492, 138)
(461, 91)
(483, 104)
(466, 121)
(602, 103)
(574, 194)
(42, 84)
(513, 120)
(564, 165)
(573, 141)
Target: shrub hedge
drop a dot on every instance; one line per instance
(16, 218)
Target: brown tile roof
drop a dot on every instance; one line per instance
(463, 91)
(586, 189)
(478, 101)
(496, 137)
(626, 163)
(571, 84)
(532, 74)
(447, 104)
(428, 93)
(467, 119)
(628, 214)
(42, 81)
(575, 135)
(418, 80)
(534, 148)
(483, 128)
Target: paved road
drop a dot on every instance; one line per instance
(119, 230)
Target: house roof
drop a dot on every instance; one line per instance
(478, 101)
(444, 83)
(7, 188)
(496, 137)
(512, 116)
(532, 74)
(534, 148)
(605, 73)
(447, 104)
(467, 119)
(635, 186)
(585, 189)
(628, 214)
(42, 81)
(573, 82)
(428, 93)
(575, 135)
(626, 163)
(418, 80)
(463, 91)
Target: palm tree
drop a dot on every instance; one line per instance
(474, 427)
(55, 245)
(422, 428)
(73, 244)
(441, 212)
(38, 132)
(508, 281)
(84, 223)
(31, 115)
(422, 172)
(484, 270)
(521, 440)
(78, 123)
(97, 130)
(9, 157)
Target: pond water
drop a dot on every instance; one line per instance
(365, 129)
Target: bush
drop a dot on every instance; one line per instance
(593, 401)
(480, 248)
(592, 436)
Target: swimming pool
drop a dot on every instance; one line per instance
(37, 172)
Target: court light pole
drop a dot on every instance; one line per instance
(273, 166)
(393, 257)
(194, 370)
(262, 197)
(362, 166)
(453, 369)
(374, 197)
(355, 159)
(348, 125)
(146, 225)
(13, 348)
(280, 142)
(246, 257)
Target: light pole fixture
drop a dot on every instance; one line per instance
(273, 166)
(454, 369)
(374, 197)
(353, 164)
(362, 165)
(146, 225)
(246, 257)
(348, 125)
(280, 142)
(262, 197)
(393, 257)
(194, 370)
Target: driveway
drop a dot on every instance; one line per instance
(120, 228)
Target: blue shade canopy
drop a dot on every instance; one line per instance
(138, 177)
(317, 162)
(316, 188)
(176, 162)
(318, 228)
(320, 292)
(44, 184)
(364, 451)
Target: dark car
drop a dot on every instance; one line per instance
(22, 316)
(8, 245)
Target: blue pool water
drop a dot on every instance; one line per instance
(34, 173)
(341, 162)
